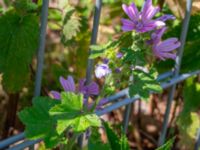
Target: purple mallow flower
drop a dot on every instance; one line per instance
(102, 70)
(163, 49)
(141, 21)
(69, 86)
(87, 90)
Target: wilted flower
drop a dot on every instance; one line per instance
(69, 86)
(118, 70)
(102, 70)
(141, 21)
(163, 49)
(105, 61)
(166, 17)
(119, 55)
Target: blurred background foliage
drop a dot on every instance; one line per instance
(68, 41)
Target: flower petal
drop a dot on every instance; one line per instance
(157, 35)
(148, 10)
(102, 70)
(101, 103)
(166, 17)
(169, 45)
(151, 25)
(55, 94)
(92, 89)
(81, 87)
(127, 25)
(68, 85)
(131, 11)
(169, 55)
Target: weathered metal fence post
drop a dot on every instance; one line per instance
(41, 51)
(90, 64)
(176, 71)
(197, 144)
(41, 48)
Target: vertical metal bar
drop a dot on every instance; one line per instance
(41, 48)
(176, 71)
(90, 63)
(126, 118)
(97, 14)
(197, 144)
(127, 112)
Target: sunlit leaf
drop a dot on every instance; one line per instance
(69, 114)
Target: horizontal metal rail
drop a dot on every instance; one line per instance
(24, 144)
(131, 100)
(11, 140)
(105, 110)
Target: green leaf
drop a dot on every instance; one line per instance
(112, 137)
(190, 61)
(18, 43)
(188, 121)
(95, 142)
(144, 83)
(82, 122)
(71, 105)
(134, 57)
(71, 25)
(38, 123)
(116, 143)
(191, 94)
(24, 6)
(70, 114)
(188, 125)
(167, 146)
(99, 50)
(124, 143)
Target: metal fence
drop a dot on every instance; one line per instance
(115, 101)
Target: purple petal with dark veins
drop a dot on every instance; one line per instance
(169, 45)
(149, 11)
(127, 25)
(68, 84)
(131, 11)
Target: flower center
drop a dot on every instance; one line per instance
(139, 25)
